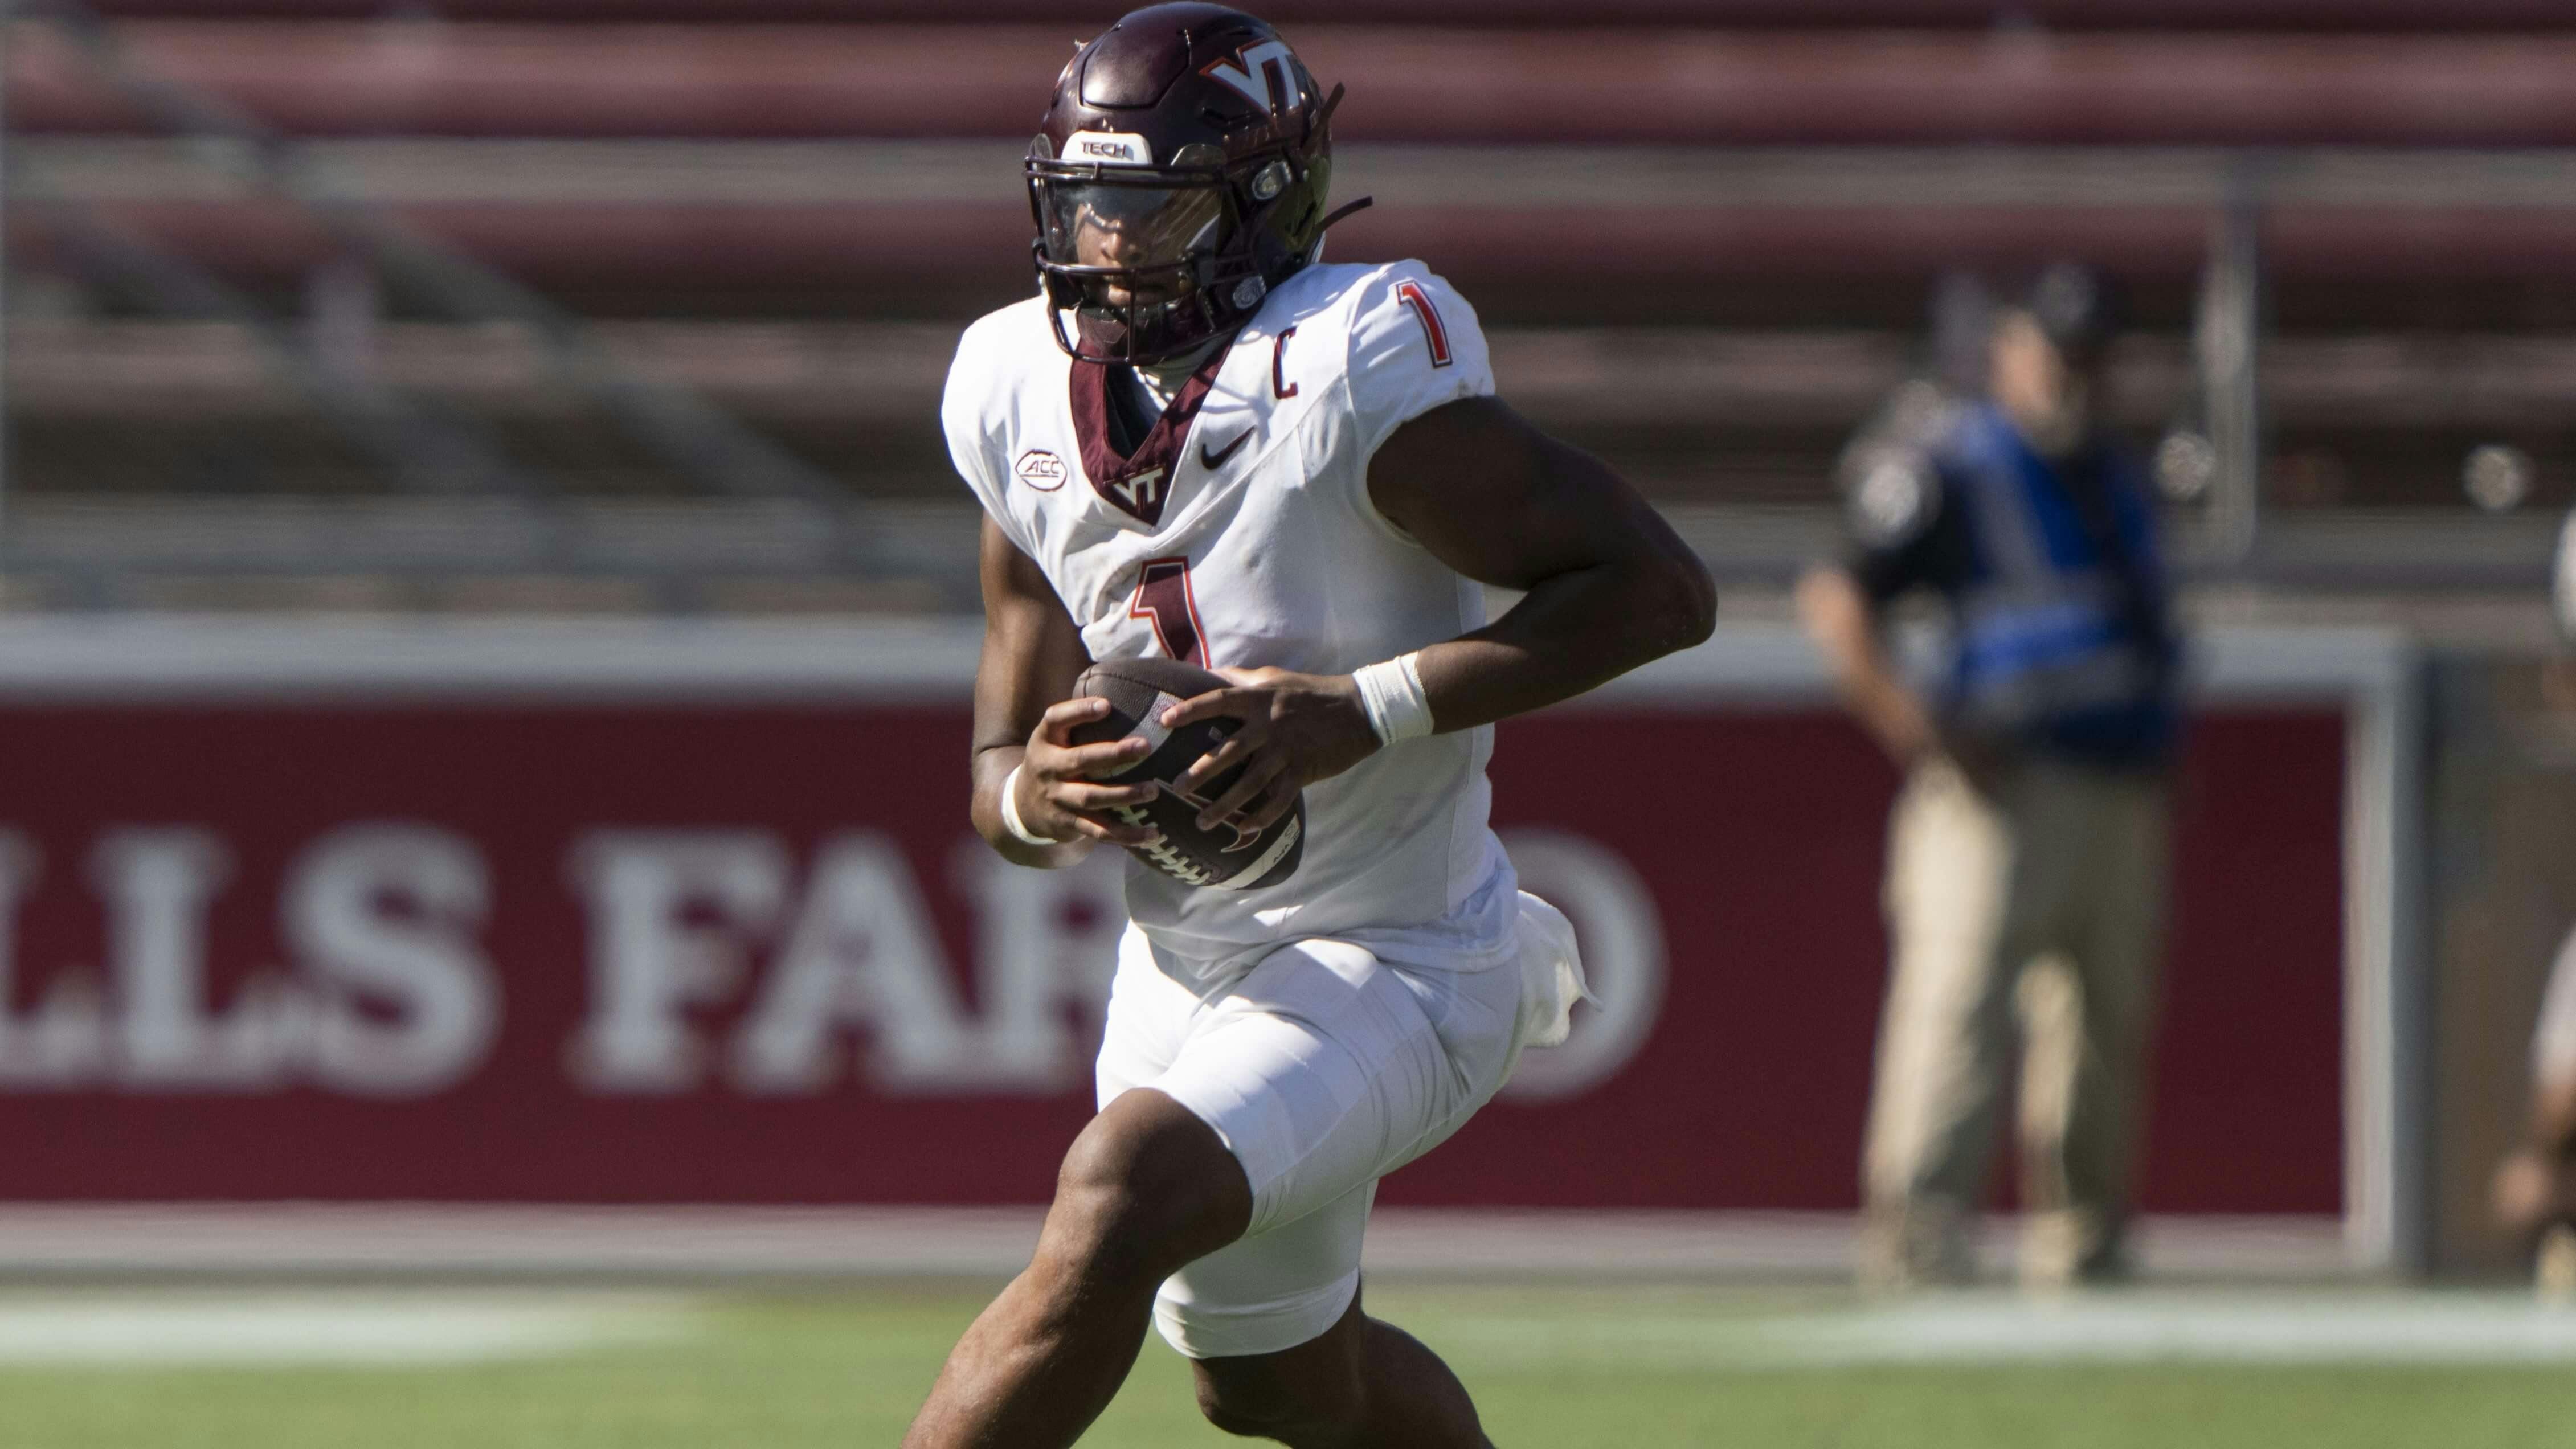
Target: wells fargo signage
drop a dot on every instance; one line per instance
(691, 952)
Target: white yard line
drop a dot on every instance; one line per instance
(345, 1329)
(676, 1243)
(1967, 1330)
(212, 1328)
(2418, 1329)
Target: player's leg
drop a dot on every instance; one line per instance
(1364, 1383)
(2085, 1078)
(1944, 1032)
(2049, 1001)
(1146, 1188)
(2534, 1192)
(1325, 1069)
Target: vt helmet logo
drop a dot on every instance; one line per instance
(1264, 77)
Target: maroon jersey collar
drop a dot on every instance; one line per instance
(1137, 485)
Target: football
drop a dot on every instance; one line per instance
(1221, 858)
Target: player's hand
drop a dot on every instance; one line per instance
(2532, 1188)
(1058, 796)
(2558, 685)
(1297, 729)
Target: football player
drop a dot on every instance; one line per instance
(1201, 441)
(2535, 1187)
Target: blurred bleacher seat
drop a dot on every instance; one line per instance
(645, 303)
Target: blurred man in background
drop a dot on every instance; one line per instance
(2535, 1188)
(2027, 868)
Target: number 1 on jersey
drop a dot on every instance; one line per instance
(1433, 334)
(1163, 598)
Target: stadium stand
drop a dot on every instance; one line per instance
(2393, 15)
(660, 291)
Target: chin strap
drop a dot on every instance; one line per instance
(1363, 204)
(1314, 130)
(1324, 112)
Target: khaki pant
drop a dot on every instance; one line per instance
(2042, 903)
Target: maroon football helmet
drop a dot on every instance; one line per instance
(1180, 176)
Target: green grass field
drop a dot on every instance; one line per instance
(1634, 1368)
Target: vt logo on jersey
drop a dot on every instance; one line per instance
(1264, 75)
(1136, 483)
(1140, 493)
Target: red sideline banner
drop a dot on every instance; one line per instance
(689, 952)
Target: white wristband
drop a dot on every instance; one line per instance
(1011, 812)
(1391, 692)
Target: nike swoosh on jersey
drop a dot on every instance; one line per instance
(1216, 460)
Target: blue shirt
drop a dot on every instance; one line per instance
(2062, 637)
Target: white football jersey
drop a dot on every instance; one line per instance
(1241, 534)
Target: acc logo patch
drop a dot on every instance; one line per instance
(1040, 469)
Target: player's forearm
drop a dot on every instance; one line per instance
(2553, 1119)
(1570, 633)
(2562, 589)
(1838, 619)
(992, 774)
(1031, 656)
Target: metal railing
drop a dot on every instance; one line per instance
(417, 445)
(816, 525)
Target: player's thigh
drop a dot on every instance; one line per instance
(1324, 1068)
(1269, 1292)
(1951, 913)
(2054, 813)
(2553, 1037)
(2118, 954)
(1147, 1023)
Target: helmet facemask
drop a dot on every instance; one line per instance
(1155, 261)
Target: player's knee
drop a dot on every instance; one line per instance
(1146, 1188)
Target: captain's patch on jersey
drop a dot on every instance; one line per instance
(1040, 469)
